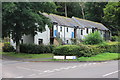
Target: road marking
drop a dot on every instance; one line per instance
(46, 71)
(89, 63)
(19, 77)
(32, 75)
(94, 63)
(111, 73)
(57, 69)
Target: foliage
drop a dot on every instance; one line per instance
(114, 38)
(93, 38)
(73, 50)
(35, 49)
(7, 47)
(111, 15)
(114, 48)
(19, 18)
(94, 11)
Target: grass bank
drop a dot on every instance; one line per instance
(27, 56)
(99, 57)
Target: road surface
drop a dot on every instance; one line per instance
(18, 69)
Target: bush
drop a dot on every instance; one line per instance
(114, 38)
(93, 38)
(114, 48)
(74, 50)
(36, 49)
(7, 47)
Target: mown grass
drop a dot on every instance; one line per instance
(27, 56)
(99, 57)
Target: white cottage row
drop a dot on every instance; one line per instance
(65, 29)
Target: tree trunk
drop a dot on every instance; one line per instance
(82, 8)
(65, 10)
(17, 46)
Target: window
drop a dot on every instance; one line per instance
(21, 41)
(81, 32)
(67, 29)
(87, 30)
(40, 41)
(60, 28)
(93, 30)
(67, 41)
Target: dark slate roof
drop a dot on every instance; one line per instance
(89, 24)
(74, 22)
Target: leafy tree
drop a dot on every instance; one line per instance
(19, 18)
(93, 38)
(94, 11)
(73, 9)
(112, 16)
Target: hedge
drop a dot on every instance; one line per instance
(85, 50)
(36, 49)
(74, 50)
(7, 47)
(114, 48)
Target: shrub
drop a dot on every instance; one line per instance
(74, 50)
(114, 48)
(7, 47)
(93, 38)
(36, 49)
(114, 38)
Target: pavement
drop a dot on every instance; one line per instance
(20, 69)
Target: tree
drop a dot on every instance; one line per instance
(94, 11)
(72, 8)
(112, 16)
(19, 18)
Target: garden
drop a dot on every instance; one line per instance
(93, 48)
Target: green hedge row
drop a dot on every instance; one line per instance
(115, 48)
(85, 50)
(74, 50)
(36, 49)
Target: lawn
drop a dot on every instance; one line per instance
(101, 57)
(27, 56)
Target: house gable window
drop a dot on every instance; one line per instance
(67, 41)
(40, 41)
(61, 29)
(87, 30)
(93, 30)
(81, 32)
(67, 29)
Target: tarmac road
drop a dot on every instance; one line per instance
(19, 69)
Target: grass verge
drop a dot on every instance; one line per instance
(27, 56)
(99, 57)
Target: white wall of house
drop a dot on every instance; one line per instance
(64, 34)
(45, 36)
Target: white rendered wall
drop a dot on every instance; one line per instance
(64, 35)
(44, 35)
